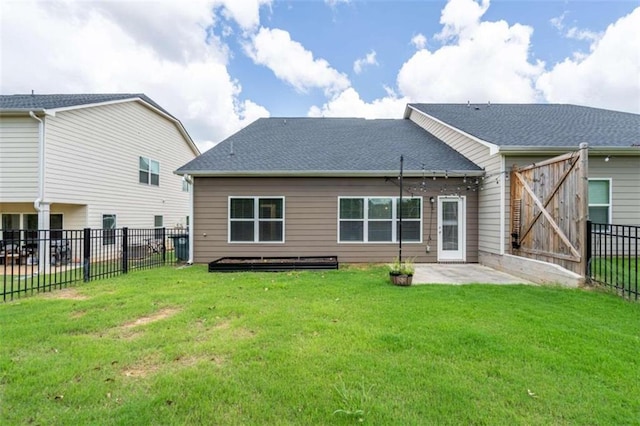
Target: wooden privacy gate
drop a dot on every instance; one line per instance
(549, 208)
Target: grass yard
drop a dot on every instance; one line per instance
(170, 346)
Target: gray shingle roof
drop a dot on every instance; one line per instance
(328, 145)
(35, 102)
(540, 125)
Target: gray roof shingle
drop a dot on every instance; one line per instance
(328, 145)
(540, 125)
(53, 101)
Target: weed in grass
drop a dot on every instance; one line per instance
(353, 400)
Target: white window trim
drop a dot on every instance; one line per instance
(394, 220)
(256, 219)
(610, 205)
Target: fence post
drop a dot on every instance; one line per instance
(164, 245)
(86, 258)
(588, 248)
(125, 250)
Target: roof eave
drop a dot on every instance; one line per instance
(543, 150)
(329, 173)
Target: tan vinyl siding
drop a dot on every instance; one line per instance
(625, 186)
(311, 219)
(18, 159)
(489, 201)
(92, 159)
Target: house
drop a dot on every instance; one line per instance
(90, 161)
(331, 186)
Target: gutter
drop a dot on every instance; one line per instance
(603, 150)
(330, 173)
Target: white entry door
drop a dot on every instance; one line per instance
(451, 229)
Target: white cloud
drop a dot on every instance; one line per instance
(586, 35)
(607, 77)
(558, 21)
(460, 17)
(245, 12)
(292, 63)
(487, 61)
(349, 104)
(419, 41)
(368, 59)
(77, 47)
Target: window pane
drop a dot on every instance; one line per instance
(351, 208)
(155, 179)
(380, 231)
(109, 229)
(109, 221)
(410, 230)
(144, 177)
(598, 192)
(242, 208)
(241, 230)
(157, 221)
(144, 164)
(270, 231)
(154, 167)
(55, 224)
(31, 221)
(411, 208)
(380, 208)
(270, 208)
(351, 231)
(599, 214)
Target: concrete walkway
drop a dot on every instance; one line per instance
(457, 274)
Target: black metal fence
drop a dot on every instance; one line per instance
(612, 257)
(37, 261)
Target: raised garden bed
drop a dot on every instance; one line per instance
(272, 264)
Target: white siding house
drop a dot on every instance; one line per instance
(84, 158)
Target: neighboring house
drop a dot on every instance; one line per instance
(329, 186)
(90, 161)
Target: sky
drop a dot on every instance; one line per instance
(218, 65)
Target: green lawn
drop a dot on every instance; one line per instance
(182, 346)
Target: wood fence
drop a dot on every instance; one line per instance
(549, 208)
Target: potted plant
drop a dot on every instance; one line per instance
(401, 273)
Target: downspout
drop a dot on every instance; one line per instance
(36, 203)
(189, 180)
(41, 207)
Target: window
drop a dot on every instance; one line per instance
(55, 225)
(600, 200)
(10, 226)
(158, 224)
(256, 219)
(149, 171)
(375, 219)
(108, 229)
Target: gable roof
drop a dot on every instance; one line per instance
(56, 101)
(19, 104)
(539, 125)
(329, 146)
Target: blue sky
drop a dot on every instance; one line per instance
(219, 64)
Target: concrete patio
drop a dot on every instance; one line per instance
(458, 274)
